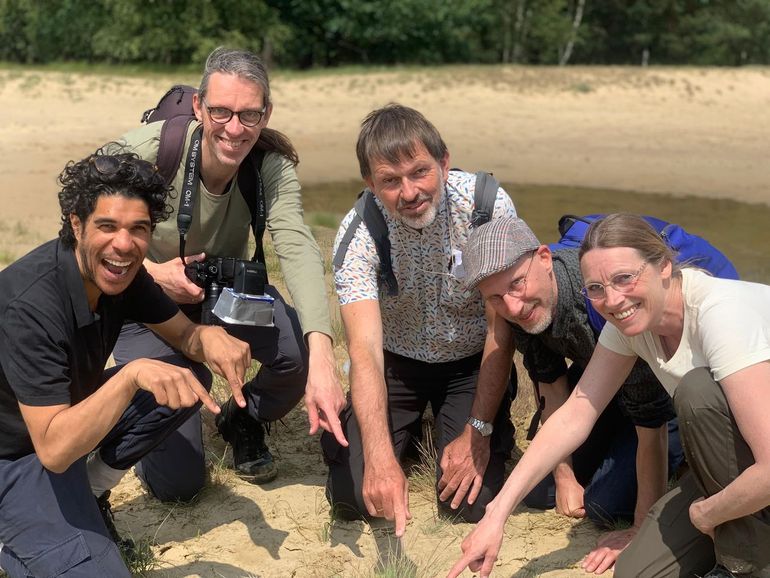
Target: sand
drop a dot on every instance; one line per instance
(681, 131)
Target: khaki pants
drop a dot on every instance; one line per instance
(667, 544)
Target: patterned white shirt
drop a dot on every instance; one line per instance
(433, 318)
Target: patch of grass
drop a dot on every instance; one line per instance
(219, 472)
(220, 389)
(6, 257)
(30, 82)
(142, 560)
(422, 475)
(394, 561)
(438, 525)
(323, 219)
(325, 531)
(582, 87)
(301, 526)
(334, 198)
(323, 510)
(611, 524)
(20, 229)
(338, 330)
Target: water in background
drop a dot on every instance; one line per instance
(740, 230)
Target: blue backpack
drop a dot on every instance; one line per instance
(689, 248)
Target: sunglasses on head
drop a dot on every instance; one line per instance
(109, 165)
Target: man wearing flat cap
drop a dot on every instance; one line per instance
(538, 292)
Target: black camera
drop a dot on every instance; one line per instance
(216, 273)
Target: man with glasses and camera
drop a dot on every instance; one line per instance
(609, 478)
(62, 307)
(203, 251)
(424, 341)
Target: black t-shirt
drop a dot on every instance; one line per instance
(52, 347)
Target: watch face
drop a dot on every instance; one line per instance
(486, 429)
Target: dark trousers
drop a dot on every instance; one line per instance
(449, 388)
(50, 524)
(176, 470)
(668, 545)
(605, 465)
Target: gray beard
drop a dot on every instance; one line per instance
(420, 222)
(541, 326)
(430, 214)
(547, 319)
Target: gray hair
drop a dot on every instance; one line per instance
(391, 134)
(241, 63)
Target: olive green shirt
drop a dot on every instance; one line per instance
(221, 226)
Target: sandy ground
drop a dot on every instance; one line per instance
(683, 131)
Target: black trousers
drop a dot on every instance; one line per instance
(176, 470)
(605, 465)
(50, 524)
(449, 388)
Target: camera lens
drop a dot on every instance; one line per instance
(213, 289)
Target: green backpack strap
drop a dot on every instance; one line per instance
(369, 213)
(484, 197)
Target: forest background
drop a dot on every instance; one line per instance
(323, 33)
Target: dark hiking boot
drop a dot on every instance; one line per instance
(126, 546)
(252, 460)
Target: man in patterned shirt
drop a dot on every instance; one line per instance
(538, 292)
(430, 343)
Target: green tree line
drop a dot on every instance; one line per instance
(322, 33)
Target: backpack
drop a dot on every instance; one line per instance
(367, 211)
(176, 109)
(689, 248)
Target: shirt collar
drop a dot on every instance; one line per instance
(73, 282)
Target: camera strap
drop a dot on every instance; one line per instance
(192, 179)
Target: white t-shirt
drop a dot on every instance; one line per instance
(726, 328)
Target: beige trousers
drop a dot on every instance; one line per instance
(668, 545)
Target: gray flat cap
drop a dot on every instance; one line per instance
(495, 246)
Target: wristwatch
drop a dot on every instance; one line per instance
(483, 427)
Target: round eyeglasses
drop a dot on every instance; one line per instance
(518, 286)
(621, 282)
(221, 115)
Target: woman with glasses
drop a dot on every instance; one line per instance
(708, 341)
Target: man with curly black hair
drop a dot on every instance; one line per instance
(61, 310)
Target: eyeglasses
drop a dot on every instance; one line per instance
(622, 282)
(518, 286)
(222, 115)
(109, 166)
